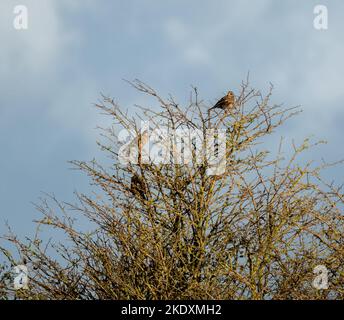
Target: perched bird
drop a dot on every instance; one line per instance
(142, 140)
(134, 152)
(138, 187)
(225, 103)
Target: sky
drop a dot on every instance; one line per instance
(73, 50)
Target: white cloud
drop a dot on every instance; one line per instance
(183, 38)
(33, 50)
(34, 62)
(37, 49)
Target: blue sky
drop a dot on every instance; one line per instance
(51, 74)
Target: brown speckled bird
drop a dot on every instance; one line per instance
(138, 187)
(225, 103)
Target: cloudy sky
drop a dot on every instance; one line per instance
(51, 74)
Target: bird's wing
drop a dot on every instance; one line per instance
(218, 104)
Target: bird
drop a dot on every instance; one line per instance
(225, 103)
(138, 187)
(134, 151)
(142, 140)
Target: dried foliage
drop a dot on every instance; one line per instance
(172, 231)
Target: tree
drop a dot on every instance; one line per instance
(254, 229)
